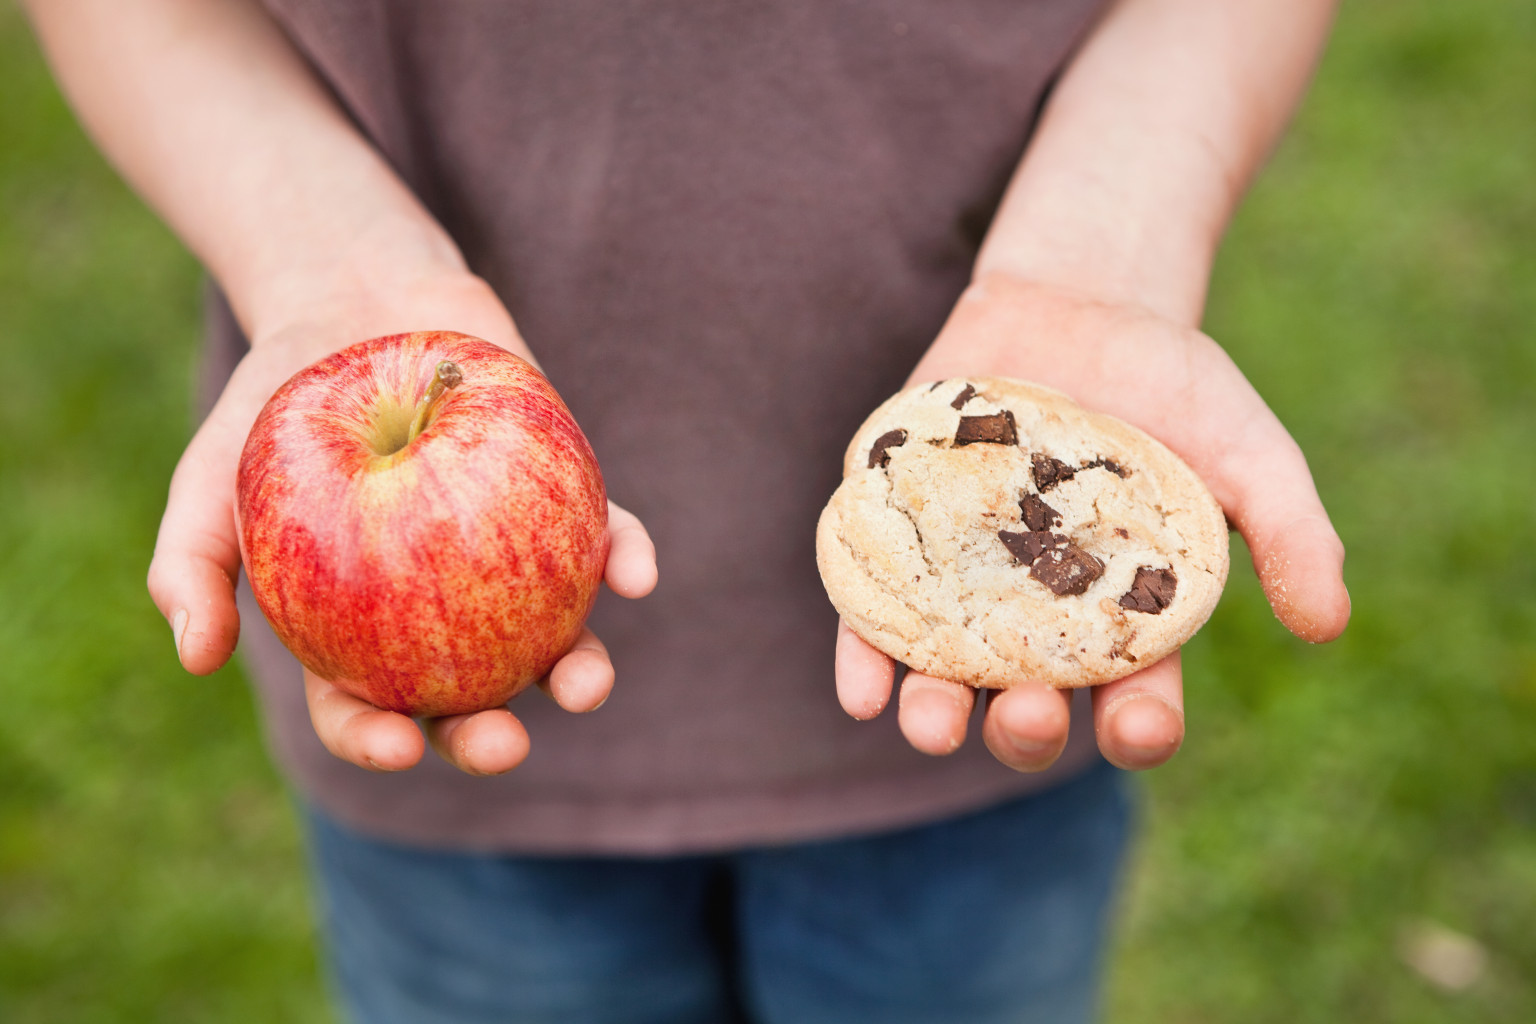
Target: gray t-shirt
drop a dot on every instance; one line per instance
(728, 231)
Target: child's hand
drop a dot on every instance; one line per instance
(197, 556)
(1178, 385)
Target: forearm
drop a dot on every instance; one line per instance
(207, 110)
(1148, 143)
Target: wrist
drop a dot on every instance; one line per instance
(1168, 279)
(1147, 240)
(337, 274)
(388, 282)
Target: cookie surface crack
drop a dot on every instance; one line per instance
(871, 570)
(917, 531)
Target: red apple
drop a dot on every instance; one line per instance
(422, 522)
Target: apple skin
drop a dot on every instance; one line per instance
(442, 578)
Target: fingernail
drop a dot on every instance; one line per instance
(943, 743)
(871, 710)
(179, 627)
(1031, 750)
(1030, 755)
(1159, 745)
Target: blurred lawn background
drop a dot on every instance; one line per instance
(1332, 807)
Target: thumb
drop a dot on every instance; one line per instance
(197, 555)
(1300, 562)
(1297, 554)
(631, 568)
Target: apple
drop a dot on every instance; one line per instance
(422, 522)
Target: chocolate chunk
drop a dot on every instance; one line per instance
(1016, 543)
(878, 456)
(1109, 464)
(1049, 472)
(999, 428)
(1027, 547)
(963, 397)
(1066, 570)
(1151, 591)
(1037, 514)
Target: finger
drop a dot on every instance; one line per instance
(1270, 496)
(483, 743)
(1026, 727)
(583, 678)
(192, 574)
(864, 675)
(631, 569)
(356, 731)
(933, 713)
(1301, 565)
(1139, 720)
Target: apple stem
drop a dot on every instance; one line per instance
(448, 375)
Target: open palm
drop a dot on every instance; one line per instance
(1179, 386)
(197, 556)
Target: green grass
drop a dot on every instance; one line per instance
(149, 862)
(1380, 290)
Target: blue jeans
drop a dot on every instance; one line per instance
(996, 916)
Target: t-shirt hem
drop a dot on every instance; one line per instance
(659, 827)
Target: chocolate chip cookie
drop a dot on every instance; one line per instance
(995, 533)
